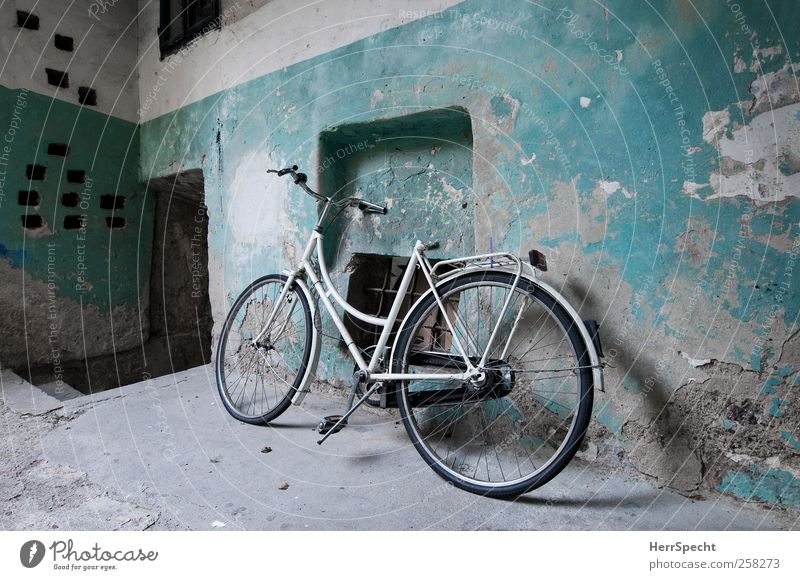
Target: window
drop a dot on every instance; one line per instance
(76, 176)
(65, 43)
(58, 149)
(29, 197)
(112, 201)
(115, 222)
(70, 199)
(36, 172)
(27, 20)
(32, 222)
(74, 222)
(184, 20)
(57, 78)
(87, 96)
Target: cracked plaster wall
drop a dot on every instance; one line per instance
(633, 178)
(62, 287)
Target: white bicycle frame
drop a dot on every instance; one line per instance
(325, 289)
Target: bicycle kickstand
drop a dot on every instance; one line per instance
(335, 423)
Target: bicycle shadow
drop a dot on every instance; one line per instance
(627, 501)
(282, 425)
(661, 442)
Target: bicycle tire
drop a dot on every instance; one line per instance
(283, 398)
(582, 416)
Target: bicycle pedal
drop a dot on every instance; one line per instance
(327, 425)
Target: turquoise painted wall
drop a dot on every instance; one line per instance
(587, 124)
(95, 268)
(423, 163)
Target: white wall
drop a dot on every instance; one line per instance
(254, 42)
(116, 46)
(104, 55)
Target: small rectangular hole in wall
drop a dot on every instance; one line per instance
(27, 20)
(76, 176)
(58, 149)
(87, 96)
(57, 78)
(112, 201)
(73, 222)
(70, 199)
(29, 198)
(372, 288)
(64, 42)
(115, 222)
(32, 222)
(36, 172)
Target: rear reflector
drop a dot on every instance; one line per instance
(538, 260)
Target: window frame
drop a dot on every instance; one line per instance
(197, 29)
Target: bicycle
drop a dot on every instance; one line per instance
(491, 369)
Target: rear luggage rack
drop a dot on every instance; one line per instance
(502, 260)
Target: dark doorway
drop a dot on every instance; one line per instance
(180, 310)
(179, 314)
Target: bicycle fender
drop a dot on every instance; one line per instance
(588, 339)
(300, 394)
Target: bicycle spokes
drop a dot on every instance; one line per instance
(264, 349)
(511, 421)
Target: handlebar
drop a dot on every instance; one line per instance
(301, 179)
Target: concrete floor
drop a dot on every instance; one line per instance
(166, 455)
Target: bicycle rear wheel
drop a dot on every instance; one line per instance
(523, 422)
(257, 380)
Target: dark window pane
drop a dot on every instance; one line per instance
(199, 13)
(184, 20)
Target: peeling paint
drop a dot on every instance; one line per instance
(771, 485)
(714, 124)
(608, 188)
(775, 409)
(80, 280)
(767, 149)
(691, 188)
(773, 90)
(696, 362)
(790, 440)
(612, 191)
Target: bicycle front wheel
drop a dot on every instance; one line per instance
(260, 367)
(522, 422)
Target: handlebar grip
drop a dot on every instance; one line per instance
(282, 172)
(432, 246)
(370, 208)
